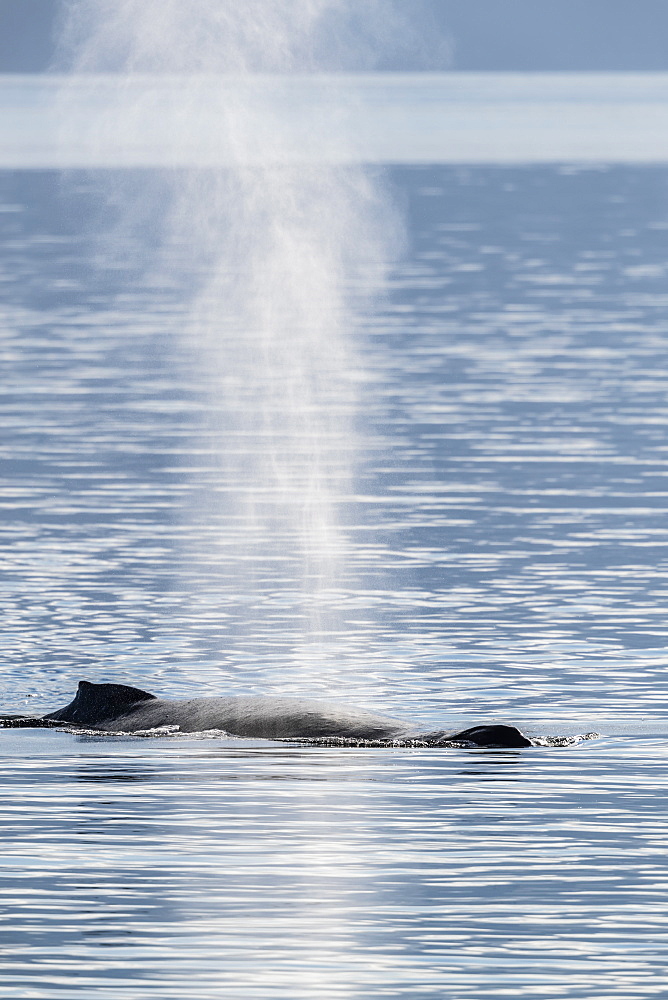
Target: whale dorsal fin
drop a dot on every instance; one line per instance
(96, 702)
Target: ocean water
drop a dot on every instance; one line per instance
(506, 554)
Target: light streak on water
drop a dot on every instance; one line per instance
(118, 120)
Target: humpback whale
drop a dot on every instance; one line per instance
(119, 708)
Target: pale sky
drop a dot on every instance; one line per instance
(448, 34)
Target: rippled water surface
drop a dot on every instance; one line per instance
(505, 559)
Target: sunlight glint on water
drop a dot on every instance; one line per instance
(508, 542)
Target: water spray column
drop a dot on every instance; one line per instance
(261, 200)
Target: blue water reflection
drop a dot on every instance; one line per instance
(507, 560)
(215, 867)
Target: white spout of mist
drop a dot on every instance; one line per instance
(278, 246)
(221, 36)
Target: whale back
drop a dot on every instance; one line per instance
(118, 707)
(95, 702)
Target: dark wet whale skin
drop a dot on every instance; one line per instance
(119, 708)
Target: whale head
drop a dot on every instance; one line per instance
(95, 702)
(492, 736)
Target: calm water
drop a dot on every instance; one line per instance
(506, 559)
